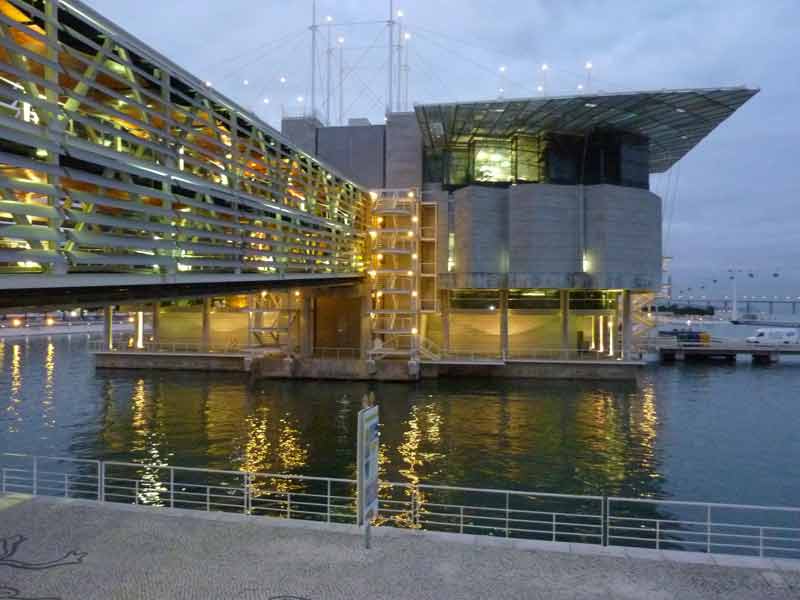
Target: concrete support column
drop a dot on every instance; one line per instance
(503, 324)
(205, 342)
(565, 344)
(307, 326)
(251, 319)
(156, 322)
(366, 324)
(138, 330)
(600, 338)
(290, 319)
(610, 329)
(627, 325)
(108, 328)
(445, 309)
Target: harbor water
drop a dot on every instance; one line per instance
(712, 432)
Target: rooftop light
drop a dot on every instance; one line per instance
(590, 105)
(245, 82)
(588, 64)
(545, 67)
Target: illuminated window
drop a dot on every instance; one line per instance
(492, 162)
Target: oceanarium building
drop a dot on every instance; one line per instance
(502, 233)
(539, 235)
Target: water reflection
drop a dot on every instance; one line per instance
(582, 438)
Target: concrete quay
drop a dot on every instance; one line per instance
(84, 550)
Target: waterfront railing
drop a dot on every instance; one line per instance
(755, 530)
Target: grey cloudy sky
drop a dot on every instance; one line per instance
(731, 202)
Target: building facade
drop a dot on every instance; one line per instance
(524, 228)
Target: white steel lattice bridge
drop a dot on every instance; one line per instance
(119, 170)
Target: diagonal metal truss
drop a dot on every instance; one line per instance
(115, 161)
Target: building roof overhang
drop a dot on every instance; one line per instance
(674, 121)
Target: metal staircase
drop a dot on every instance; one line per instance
(394, 274)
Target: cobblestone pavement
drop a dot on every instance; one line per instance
(72, 550)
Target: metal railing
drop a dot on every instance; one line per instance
(127, 344)
(337, 353)
(753, 530)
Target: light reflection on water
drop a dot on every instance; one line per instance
(710, 432)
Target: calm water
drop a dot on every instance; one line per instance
(710, 432)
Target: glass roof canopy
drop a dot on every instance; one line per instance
(674, 121)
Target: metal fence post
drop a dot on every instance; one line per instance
(708, 529)
(605, 521)
(508, 501)
(35, 486)
(288, 505)
(329, 500)
(66, 485)
(101, 481)
(171, 487)
(208, 498)
(247, 493)
(4, 480)
(554, 527)
(761, 542)
(658, 534)
(461, 516)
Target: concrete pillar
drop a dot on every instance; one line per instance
(138, 330)
(504, 324)
(156, 322)
(307, 325)
(600, 345)
(627, 325)
(610, 335)
(205, 342)
(445, 309)
(366, 324)
(290, 315)
(565, 344)
(251, 319)
(108, 328)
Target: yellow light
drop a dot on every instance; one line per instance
(130, 319)
(414, 331)
(414, 294)
(380, 220)
(411, 194)
(380, 294)
(373, 234)
(410, 273)
(380, 256)
(372, 315)
(373, 274)
(491, 307)
(264, 294)
(414, 257)
(297, 293)
(414, 219)
(41, 153)
(410, 234)
(373, 195)
(50, 321)
(16, 322)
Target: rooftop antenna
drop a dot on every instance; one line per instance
(406, 69)
(390, 91)
(588, 66)
(314, 28)
(399, 100)
(329, 76)
(340, 40)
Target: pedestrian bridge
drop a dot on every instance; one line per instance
(118, 169)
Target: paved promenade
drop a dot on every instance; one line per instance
(80, 550)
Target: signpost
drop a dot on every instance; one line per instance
(367, 457)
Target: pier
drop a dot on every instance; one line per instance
(670, 350)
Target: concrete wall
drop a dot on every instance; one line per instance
(338, 322)
(356, 151)
(541, 370)
(528, 236)
(302, 131)
(623, 237)
(403, 151)
(543, 236)
(171, 361)
(481, 228)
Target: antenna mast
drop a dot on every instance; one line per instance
(313, 58)
(390, 91)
